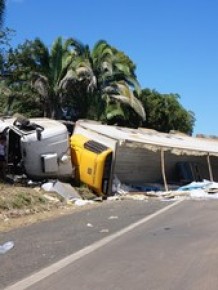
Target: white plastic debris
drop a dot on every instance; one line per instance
(113, 198)
(6, 247)
(82, 202)
(201, 190)
(48, 186)
(195, 185)
(201, 194)
(113, 217)
(64, 189)
(33, 183)
(212, 187)
(120, 188)
(104, 231)
(89, 225)
(135, 197)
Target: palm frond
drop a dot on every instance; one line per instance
(40, 54)
(41, 84)
(102, 52)
(75, 45)
(69, 79)
(122, 68)
(121, 92)
(133, 103)
(114, 111)
(56, 58)
(133, 83)
(107, 67)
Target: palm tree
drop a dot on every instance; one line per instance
(99, 83)
(34, 63)
(2, 10)
(105, 79)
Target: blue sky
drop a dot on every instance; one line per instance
(174, 43)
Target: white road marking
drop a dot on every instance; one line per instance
(44, 273)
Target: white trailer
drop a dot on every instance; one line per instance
(143, 156)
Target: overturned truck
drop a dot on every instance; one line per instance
(37, 147)
(140, 157)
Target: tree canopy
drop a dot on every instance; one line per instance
(98, 83)
(103, 78)
(71, 73)
(165, 113)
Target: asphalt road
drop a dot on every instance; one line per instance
(39, 245)
(177, 249)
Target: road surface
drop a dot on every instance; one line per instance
(174, 249)
(41, 244)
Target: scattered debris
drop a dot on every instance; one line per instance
(89, 225)
(51, 198)
(82, 202)
(195, 190)
(136, 196)
(6, 247)
(34, 184)
(113, 217)
(86, 193)
(114, 197)
(64, 189)
(104, 231)
(206, 185)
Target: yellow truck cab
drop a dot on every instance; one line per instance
(92, 162)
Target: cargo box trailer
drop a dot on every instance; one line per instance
(140, 156)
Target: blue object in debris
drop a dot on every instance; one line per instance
(194, 185)
(146, 188)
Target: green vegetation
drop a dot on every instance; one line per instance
(13, 198)
(165, 113)
(89, 81)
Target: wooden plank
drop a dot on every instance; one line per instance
(163, 170)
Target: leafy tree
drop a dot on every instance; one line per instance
(18, 97)
(103, 82)
(5, 37)
(165, 113)
(33, 66)
(99, 84)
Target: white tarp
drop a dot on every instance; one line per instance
(64, 189)
(154, 140)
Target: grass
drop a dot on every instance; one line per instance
(22, 198)
(20, 206)
(25, 199)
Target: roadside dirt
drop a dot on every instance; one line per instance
(21, 206)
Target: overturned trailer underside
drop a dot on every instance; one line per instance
(143, 156)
